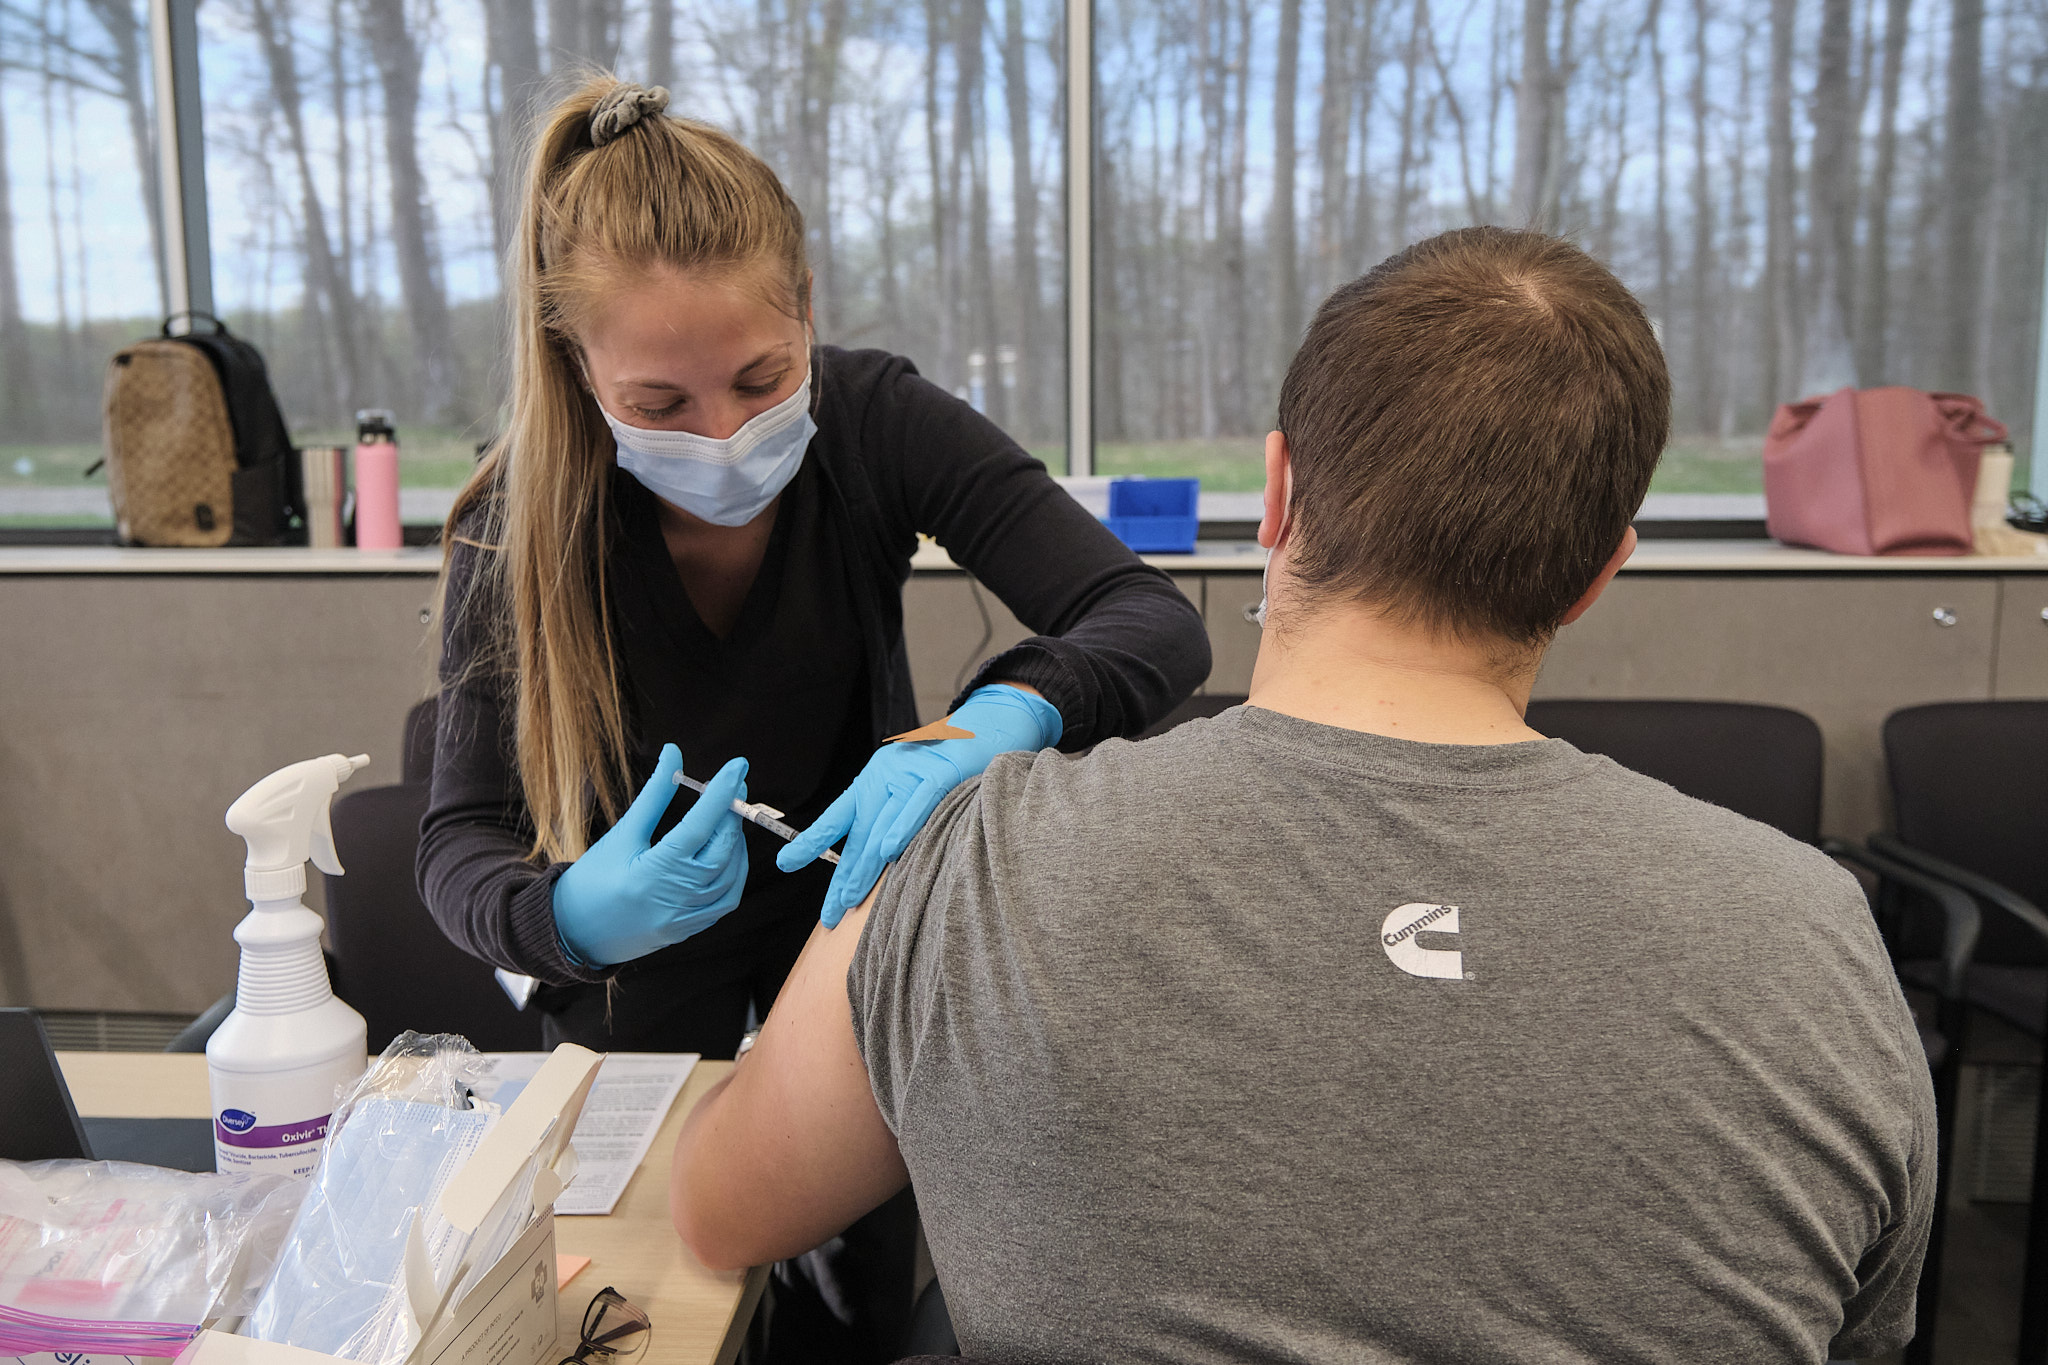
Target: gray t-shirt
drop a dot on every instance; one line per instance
(1266, 1040)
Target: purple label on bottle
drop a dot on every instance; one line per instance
(236, 1128)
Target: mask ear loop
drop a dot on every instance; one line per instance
(812, 357)
(1257, 614)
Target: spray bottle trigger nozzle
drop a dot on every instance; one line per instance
(321, 844)
(320, 839)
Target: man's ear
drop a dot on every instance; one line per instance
(1275, 517)
(1599, 585)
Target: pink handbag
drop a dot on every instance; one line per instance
(1876, 471)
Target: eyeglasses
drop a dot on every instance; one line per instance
(612, 1330)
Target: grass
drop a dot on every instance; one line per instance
(1691, 464)
(429, 458)
(48, 466)
(1705, 464)
(443, 458)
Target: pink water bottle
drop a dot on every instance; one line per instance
(376, 471)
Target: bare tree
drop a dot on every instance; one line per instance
(1741, 307)
(19, 405)
(565, 36)
(53, 199)
(1032, 405)
(1341, 36)
(1828, 362)
(1873, 310)
(971, 164)
(1653, 32)
(513, 48)
(1706, 360)
(661, 41)
(122, 61)
(818, 86)
(1964, 197)
(344, 169)
(1281, 234)
(1782, 342)
(333, 301)
(1534, 113)
(600, 44)
(397, 58)
(1411, 155)
(1234, 348)
(944, 194)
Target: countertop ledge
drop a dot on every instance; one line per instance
(1653, 556)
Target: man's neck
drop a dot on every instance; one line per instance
(1349, 666)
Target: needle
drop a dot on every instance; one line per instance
(767, 817)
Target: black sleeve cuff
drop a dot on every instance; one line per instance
(536, 940)
(1036, 663)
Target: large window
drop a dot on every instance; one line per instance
(363, 164)
(1804, 193)
(80, 257)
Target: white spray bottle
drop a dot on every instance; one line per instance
(274, 1064)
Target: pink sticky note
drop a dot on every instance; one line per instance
(567, 1268)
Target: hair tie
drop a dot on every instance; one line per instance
(622, 107)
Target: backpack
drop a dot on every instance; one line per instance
(196, 450)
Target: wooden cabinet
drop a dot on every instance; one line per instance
(2022, 665)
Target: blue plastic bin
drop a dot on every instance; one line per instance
(1155, 516)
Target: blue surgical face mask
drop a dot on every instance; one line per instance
(728, 482)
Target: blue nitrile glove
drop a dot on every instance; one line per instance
(903, 784)
(623, 899)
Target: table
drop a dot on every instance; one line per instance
(699, 1315)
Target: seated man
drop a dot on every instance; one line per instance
(1363, 1023)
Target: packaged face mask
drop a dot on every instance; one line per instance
(339, 1286)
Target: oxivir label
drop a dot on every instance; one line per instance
(242, 1142)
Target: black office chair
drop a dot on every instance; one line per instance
(391, 962)
(1759, 761)
(1969, 783)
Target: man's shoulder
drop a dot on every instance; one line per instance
(1666, 828)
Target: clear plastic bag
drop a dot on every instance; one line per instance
(124, 1259)
(396, 1139)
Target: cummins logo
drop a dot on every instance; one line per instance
(1397, 936)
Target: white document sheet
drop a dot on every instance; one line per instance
(627, 1105)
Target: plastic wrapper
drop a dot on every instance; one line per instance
(122, 1259)
(397, 1138)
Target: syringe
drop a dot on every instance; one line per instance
(767, 817)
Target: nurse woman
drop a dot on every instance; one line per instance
(687, 553)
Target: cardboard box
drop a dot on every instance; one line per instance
(508, 1317)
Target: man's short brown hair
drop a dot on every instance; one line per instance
(1473, 424)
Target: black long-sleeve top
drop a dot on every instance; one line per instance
(1117, 644)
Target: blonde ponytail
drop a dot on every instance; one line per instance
(660, 193)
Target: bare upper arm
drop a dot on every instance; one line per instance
(791, 1148)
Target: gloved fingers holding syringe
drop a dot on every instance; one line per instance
(760, 813)
(631, 894)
